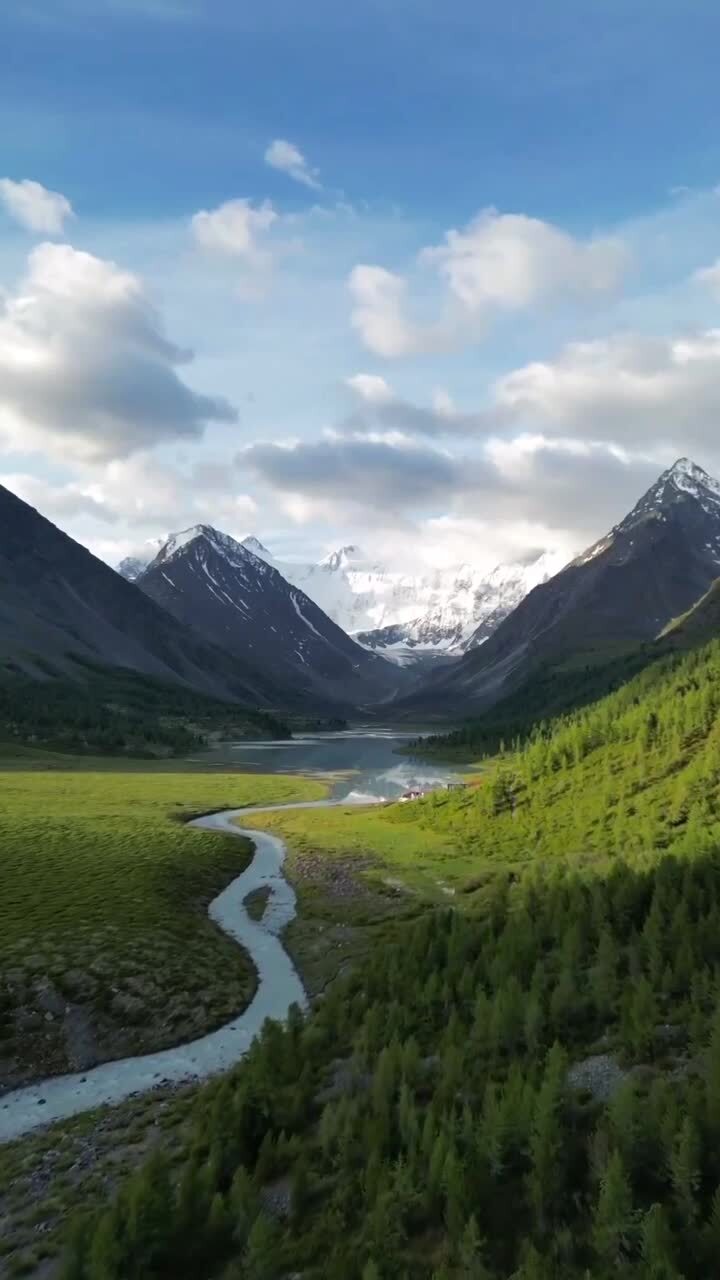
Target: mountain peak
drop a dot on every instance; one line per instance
(342, 558)
(222, 543)
(683, 480)
(255, 545)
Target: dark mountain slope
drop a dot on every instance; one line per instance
(218, 586)
(699, 624)
(57, 600)
(651, 567)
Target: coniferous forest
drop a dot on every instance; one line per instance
(525, 1084)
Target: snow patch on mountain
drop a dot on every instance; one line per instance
(404, 615)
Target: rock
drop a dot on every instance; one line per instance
(277, 1198)
(600, 1075)
(80, 1043)
(49, 999)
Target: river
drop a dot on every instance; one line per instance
(361, 767)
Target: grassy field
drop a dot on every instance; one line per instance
(357, 875)
(105, 944)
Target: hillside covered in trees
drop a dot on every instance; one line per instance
(525, 1085)
(115, 711)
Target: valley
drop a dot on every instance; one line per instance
(503, 991)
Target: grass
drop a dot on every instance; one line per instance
(50, 1175)
(104, 910)
(426, 862)
(256, 902)
(357, 874)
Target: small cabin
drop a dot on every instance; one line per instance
(413, 793)
(456, 786)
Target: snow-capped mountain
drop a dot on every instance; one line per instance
(402, 615)
(653, 566)
(131, 567)
(468, 607)
(223, 590)
(61, 607)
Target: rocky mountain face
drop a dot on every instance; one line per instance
(227, 593)
(132, 566)
(652, 567)
(58, 604)
(409, 616)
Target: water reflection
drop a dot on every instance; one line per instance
(363, 761)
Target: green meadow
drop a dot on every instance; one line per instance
(103, 912)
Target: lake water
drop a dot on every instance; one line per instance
(362, 761)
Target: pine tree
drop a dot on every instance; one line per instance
(711, 1230)
(149, 1219)
(657, 1246)
(220, 1223)
(471, 1253)
(546, 1140)
(261, 1252)
(532, 1267)
(370, 1271)
(685, 1169)
(614, 1222)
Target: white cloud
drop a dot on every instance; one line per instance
(236, 228)
(34, 207)
(289, 159)
(630, 389)
(56, 501)
(85, 367)
(709, 276)
(154, 495)
(241, 230)
(499, 262)
(379, 315)
(371, 388)
(511, 262)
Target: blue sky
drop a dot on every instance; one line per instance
(555, 346)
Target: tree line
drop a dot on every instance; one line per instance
(525, 1086)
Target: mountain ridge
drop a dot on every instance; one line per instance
(60, 602)
(652, 566)
(222, 589)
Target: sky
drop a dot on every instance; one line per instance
(441, 281)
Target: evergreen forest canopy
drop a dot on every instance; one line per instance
(526, 1085)
(115, 711)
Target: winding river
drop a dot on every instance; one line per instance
(382, 775)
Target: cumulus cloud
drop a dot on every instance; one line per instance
(289, 159)
(378, 407)
(380, 317)
(57, 502)
(631, 389)
(34, 207)
(369, 473)
(235, 228)
(371, 388)
(156, 495)
(85, 367)
(241, 230)
(511, 262)
(709, 276)
(498, 262)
